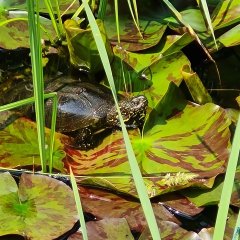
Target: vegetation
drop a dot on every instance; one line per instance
(183, 57)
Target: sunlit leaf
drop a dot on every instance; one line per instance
(104, 204)
(82, 47)
(41, 208)
(19, 146)
(14, 34)
(231, 37)
(106, 229)
(195, 86)
(171, 230)
(193, 142)
(131, 40)
(226, 13)
(21, 4)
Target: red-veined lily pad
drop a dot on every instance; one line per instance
(106, 229)
(19, 146)
(42, 207)
(14, 30)
(104, 204)
(189, 148)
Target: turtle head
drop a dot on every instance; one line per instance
(133, 112)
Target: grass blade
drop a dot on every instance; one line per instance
(227, 186)
(78, 205)
(208, 20)
(237, 228)
(52, 16)
(140, 186)
(102, 9)
(37, 72)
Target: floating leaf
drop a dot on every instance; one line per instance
(22, 5)
(103, 204)
(14, 30)
(193, 141)
(42, 208)
(82, 47)
(107, 229)
(171, 230)
(19, 146)
(131, 40)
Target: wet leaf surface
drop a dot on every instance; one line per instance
(42, 207)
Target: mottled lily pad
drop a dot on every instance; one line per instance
(131, 40)
(64, 5)
(106, 229)
(19, 146)
(42, 207)
(188, 149)
(14, 30)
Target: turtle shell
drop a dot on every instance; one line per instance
(81, 105)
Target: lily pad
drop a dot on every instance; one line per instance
(82, 47)
(64, 5)
(19, 146)
(14, 30)
(171, 230)
(189, 149)
(131, 40)
(106, 229)
(104, 204)
(42, 207)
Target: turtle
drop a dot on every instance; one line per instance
(87, 109)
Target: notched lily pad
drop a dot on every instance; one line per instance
(42, 207)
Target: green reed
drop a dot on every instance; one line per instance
(138, 179)
(78, 205)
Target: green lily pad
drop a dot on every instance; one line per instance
(14, 30)
(82, 47)
(19, 146)
(42, 207)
